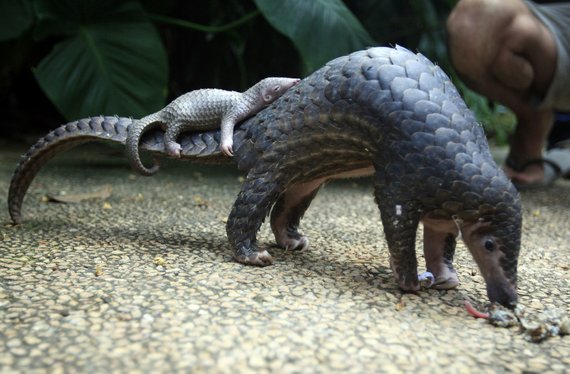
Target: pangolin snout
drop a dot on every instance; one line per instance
(502, 293)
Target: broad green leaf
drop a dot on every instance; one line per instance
(16, 16)
(111, 60)
(320, 29)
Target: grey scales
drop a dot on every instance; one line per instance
(385, 112)
(205, 109)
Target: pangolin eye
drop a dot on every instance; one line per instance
(489, 245)
(276, 88)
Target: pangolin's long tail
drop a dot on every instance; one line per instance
(202, 147)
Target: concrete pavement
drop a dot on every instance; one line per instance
(143, 281)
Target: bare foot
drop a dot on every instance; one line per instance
(532, 173)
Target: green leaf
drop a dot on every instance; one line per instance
(499, 122)
(320, 29)
(16, 16)
(111, 60)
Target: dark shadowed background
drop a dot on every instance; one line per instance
(67, 59)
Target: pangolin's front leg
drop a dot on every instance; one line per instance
(259, 192)
(227, 130)
(400, 218)
(287, 213)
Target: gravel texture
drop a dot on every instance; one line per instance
(143, 281)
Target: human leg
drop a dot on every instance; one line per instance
(504, 52)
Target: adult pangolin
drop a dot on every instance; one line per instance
(382, 111)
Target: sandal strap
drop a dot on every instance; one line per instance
(519, 168)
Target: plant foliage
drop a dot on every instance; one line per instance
(94, 57)
(107, 56)
(110, 60)
(321, 30)
(16, 16)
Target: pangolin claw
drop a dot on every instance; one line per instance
(227, 149)
(261, 258)
(426, 279)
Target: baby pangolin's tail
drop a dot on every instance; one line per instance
(136, 130)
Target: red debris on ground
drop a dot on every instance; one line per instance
(474, 312)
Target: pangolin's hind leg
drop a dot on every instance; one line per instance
(439, 249)
(288, 211)
(259, 192)
(171, 133)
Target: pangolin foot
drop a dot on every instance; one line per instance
(446, 283)
(445, 280)
(173, 149)
(408, 285)
(294, 241)
(256, 258)
(226, 149)
(406, 278)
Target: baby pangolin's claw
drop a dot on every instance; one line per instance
(227, 149)
(173, 149)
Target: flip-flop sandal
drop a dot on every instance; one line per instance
(561, 158)
(556, 164)
(565, 145)
(560, 144)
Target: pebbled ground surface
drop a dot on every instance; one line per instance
(143, 281)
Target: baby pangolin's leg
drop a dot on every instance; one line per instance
(171, 133)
